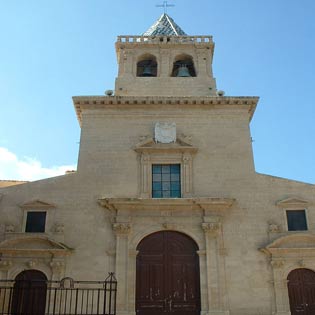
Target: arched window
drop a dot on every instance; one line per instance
(29, 293)
(147, 66)
(183, 67)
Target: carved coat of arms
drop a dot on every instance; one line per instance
(165, 132)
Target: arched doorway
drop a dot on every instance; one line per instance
(301, 286)
(168, 279)
(29, 293)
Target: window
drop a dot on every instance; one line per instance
(35, 222)
(166, 181)
(296, 220)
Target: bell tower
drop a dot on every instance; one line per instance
(164, 61)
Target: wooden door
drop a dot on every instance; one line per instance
(301, 286)
(29, 293)
(167, 280)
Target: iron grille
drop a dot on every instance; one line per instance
(65, 297)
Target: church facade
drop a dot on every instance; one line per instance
(166, 196)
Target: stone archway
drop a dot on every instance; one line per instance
(167, 276)
(29, 293)
(301, 287)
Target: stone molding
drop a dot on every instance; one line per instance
(100, 102)
(184, 204)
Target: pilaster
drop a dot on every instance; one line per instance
(122, 231)
(217, 296)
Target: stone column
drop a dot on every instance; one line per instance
(122, 231)
(215, 268)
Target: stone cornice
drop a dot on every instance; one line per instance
(150, 102)
(133, 204)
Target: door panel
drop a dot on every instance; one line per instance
(167, 275)
(29, 293)
(301, 286)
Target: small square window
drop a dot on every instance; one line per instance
(296, 220)
(35, 222)
(166, 181)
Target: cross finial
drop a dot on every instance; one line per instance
(165, 5)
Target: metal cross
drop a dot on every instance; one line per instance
(165, 5)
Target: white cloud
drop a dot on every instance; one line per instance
(28, 169)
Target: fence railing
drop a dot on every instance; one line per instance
(65, 297)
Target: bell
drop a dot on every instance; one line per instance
(147, 71)
(183, 71)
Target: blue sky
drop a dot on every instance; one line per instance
(53, 50)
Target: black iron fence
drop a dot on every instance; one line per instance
(65, 297)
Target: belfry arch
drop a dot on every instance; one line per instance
(183, 61)
(147, 66)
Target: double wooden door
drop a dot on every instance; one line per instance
(167, 280)
(29, 293)
(301, 286)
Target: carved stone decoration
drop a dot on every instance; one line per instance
(32, 263)
(301, 263)
(57, 266)
(211, 227)
(59, 228)
(274, 228)
(169, 226)
(277, 263)
(186, 138)
(165, 132)
(5, 264)
(9, 228)
(122, 228)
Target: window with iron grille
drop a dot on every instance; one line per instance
(166, 181)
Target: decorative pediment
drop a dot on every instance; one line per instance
(33, 245)
(292, 203)
(293, 243)
(182, 144)
(37, 204)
